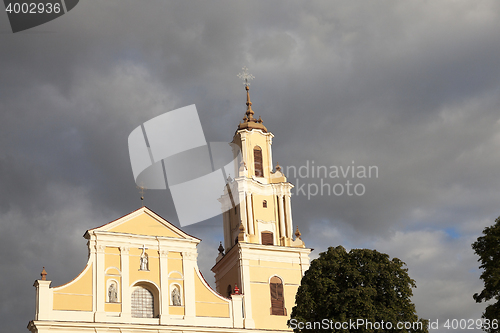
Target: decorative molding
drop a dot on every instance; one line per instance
(189, 255)
(124, 249)
(265, 222)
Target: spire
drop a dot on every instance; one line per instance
(249, 113)
(249, 122)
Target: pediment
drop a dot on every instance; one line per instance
(144, 222)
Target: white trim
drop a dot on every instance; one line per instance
(222, 298)
(112, 267)
(77, 278)
(172, 272)
(282, 280)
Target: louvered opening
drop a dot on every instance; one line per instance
(267, 238)
(277, 299)
(257, 157)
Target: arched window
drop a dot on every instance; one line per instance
(257, 158)
(264, 203)
(267, 238)
(277, 298)
(229, 291)
(142, 303)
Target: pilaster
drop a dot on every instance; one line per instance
(269, 141)
(282, 220)
(243, 210)
(189, 264)
(244, 269)
(250, 228)
(43, 300)
(164, 290)
(244, 153)
(289, 224)
(237, 307)
(100, 314)
(126, 292)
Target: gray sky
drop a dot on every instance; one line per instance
(411, 87)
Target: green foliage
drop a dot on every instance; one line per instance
(362, 284)
(487, 247)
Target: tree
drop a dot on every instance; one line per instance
(487, 247)
(343, 287)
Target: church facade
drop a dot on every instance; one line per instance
(142, 273)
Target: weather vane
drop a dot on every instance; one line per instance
(245, 76)
(142, 188)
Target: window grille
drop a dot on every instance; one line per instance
(142, 303)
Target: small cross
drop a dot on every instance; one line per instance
(143, 248)
(245, 76)
(142, 188)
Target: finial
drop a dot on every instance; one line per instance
(142, 188)
(221, 248)
(236, 289)
(242, 227)
(297, 233)
(44, 274)
(249, 114)
(249, 122)
(245, 76)
(278, 168)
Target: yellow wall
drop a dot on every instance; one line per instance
(72, 302)
(260, 272)
(254, 138)
(113, 307)
(77, 294)
(261, 306)
(112, 257)
(176, 310)
(207, 303)
(261, 213)
(175, 262)
(230, 278)
(263, 270)
(144, 225)
(257, 139)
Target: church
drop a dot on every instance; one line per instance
(142, 273)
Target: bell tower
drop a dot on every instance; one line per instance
(261, 256)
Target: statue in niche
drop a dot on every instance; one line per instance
(176, 297)
(144, 262)
(144, 259)
(112, 293)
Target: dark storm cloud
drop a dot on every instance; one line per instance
(409, 87)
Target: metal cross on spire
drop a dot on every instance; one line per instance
(245, 76)
(142, 188)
